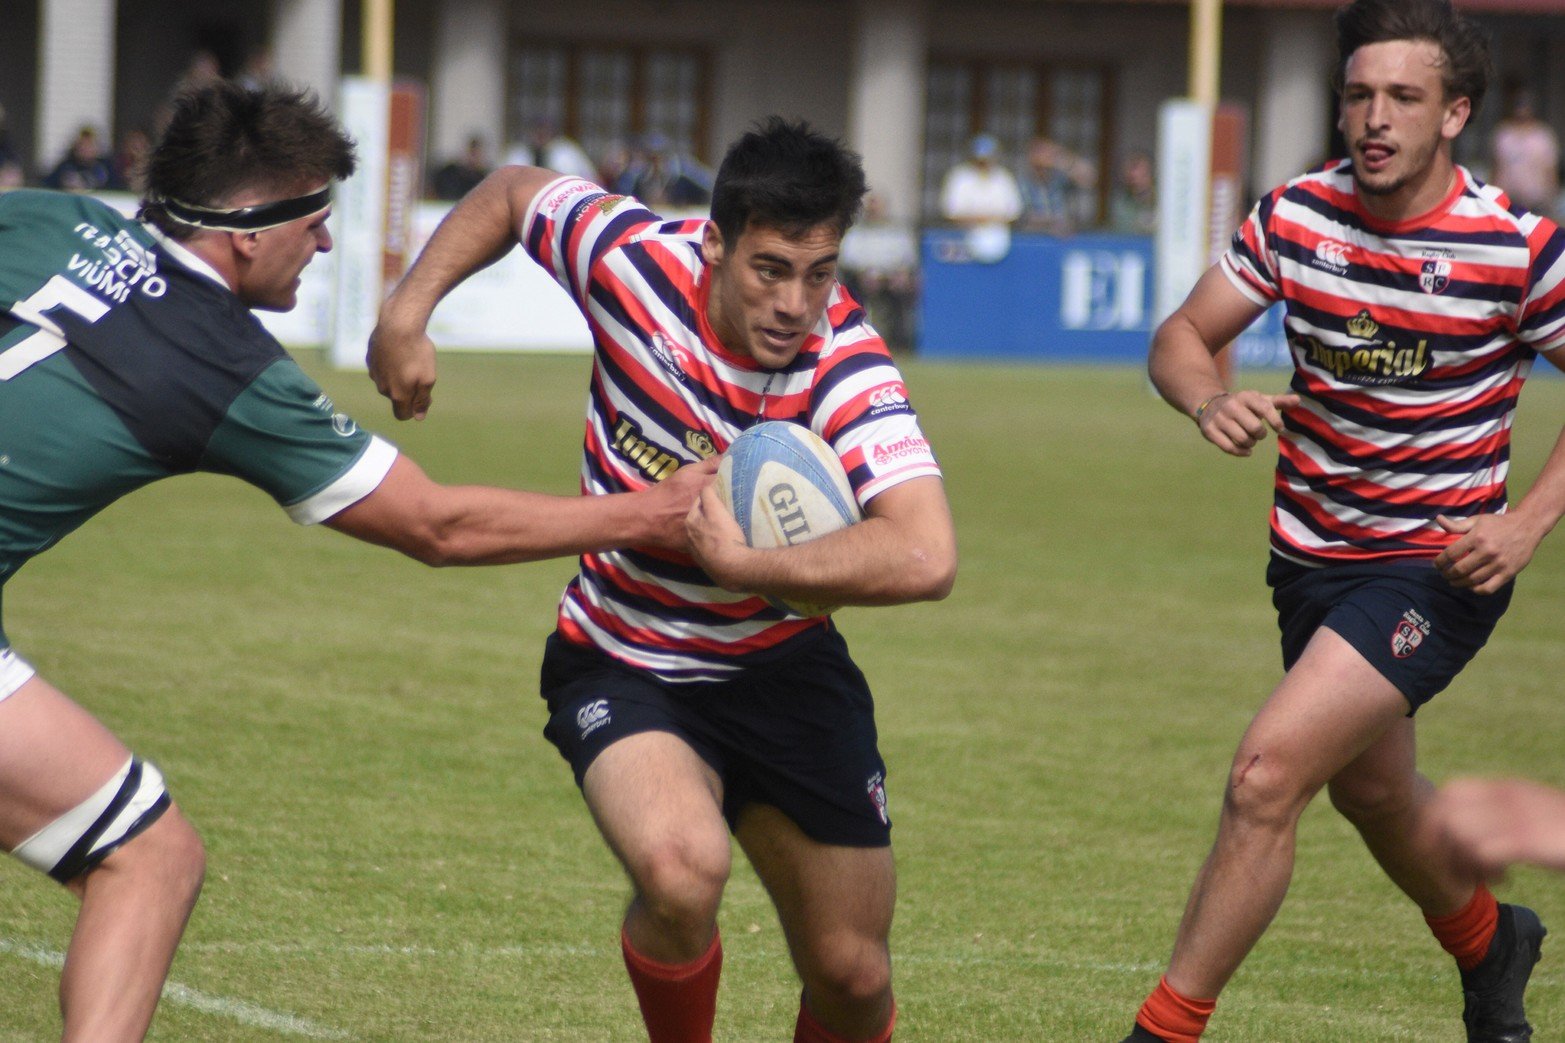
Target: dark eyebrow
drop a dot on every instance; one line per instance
(778, 261)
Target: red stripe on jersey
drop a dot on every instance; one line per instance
(1431, 541)
(1363, 487)
(775, 634)
(1407, 453)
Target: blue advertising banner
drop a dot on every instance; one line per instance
(1084, 298)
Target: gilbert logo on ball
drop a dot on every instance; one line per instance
(785, 486)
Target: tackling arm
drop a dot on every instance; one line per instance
(482, 525)
(478, 231)
(904, 550)
(1184, 370)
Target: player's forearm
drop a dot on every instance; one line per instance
(478, 525)
(1182, 366)
(875, 562)
(1544, 504)
(477, 232)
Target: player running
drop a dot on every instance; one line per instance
(128, 353)
(681, 699)
(1417, 300)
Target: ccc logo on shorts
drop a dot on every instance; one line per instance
(592, 716)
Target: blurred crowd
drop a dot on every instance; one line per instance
(1048, 190)
(651, 168)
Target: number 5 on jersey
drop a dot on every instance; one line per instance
(58, 292)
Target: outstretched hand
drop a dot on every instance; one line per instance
(1491, 550)
(1236, 420)
(670, 501)
(402, 365)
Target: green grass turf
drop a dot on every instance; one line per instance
(397, 854)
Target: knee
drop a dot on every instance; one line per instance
(848, 971)
(168, 856)
(1365, 801)
(1264, 792)
(680, 882)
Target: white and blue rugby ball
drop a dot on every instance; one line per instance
(785, 486)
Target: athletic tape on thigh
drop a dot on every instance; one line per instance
(14, 672)
(82, 837)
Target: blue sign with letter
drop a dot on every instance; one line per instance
(1082, 298)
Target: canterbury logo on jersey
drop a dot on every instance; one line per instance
(657, 464)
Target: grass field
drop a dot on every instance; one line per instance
(397, 854)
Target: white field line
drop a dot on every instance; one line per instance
(173, 992)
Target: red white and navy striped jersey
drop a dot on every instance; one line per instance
(665, 392)
(1410, 344)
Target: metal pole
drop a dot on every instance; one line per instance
(1206, 32)
(377, 40)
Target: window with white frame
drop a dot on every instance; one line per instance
(1016, 101)
(609, 96)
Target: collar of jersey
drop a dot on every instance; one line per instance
(184, 256)
(1420, 221)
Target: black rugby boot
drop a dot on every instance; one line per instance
(1141, 1035)
(1492, 991)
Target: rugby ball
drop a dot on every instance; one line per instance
(785, 486)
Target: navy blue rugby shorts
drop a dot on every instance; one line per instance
(1412, 625)
(797, 733)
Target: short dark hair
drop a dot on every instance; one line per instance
(223, 139)
(789, 177)
(1465, 71)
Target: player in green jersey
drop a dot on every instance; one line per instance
(128, 353)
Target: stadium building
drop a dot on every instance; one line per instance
(1089, 74)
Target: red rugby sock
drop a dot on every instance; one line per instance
(678, 1001)
(1172, 1017)
(1466, 933)
(808, 1030)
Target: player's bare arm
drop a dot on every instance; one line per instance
(1494, 548)
(904, 550)
(1494, 823)
(480, 525)
(478, 231)
(1184, 370)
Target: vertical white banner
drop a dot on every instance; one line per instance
(359, 218)
(1184, 161)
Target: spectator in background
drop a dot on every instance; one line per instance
(84, 168)
(982, 196)
(1056, 188)
(879, 265)
(1526, 154)
(667, 178)
(130, 159)
(549, 147)
(461, 175)
(1133, 210)
(13, 173)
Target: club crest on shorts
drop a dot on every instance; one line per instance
(1410, 632)
(877, 796)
